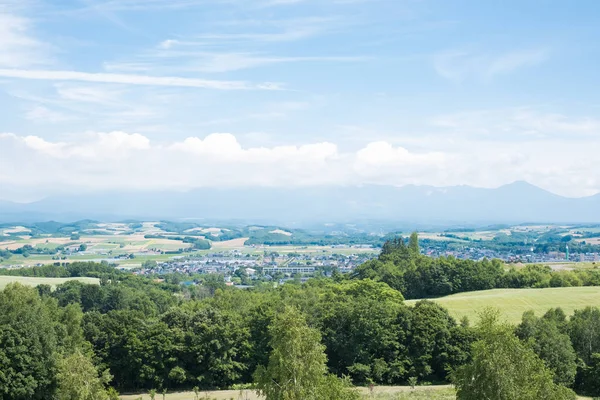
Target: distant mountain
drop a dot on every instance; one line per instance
(514, 203)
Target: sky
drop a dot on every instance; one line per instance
(108, 95)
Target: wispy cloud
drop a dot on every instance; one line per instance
(515, 124)
(261, 31)
(130, 79)
(224, 62)
(459, 65)
(43, 114)
(18, 46)
(144, 5)
(156, 5)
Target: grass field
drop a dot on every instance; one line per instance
(514, 302)
(5, 280)
(379, 392)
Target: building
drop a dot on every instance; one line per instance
(289, 270)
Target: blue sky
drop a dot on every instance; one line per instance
(161, 94)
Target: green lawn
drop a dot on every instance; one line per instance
(514, 302)
(5, 280)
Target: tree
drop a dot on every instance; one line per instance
(588, 381)
(297, 364)
(78, 379)
(28, 344)
(584, 329)
(361, 326)
(413, 244)
(503, 368)
(551, 345)
(433, 341)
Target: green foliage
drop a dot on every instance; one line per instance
(202, 244)
(28, 344)
(504, 368)
(162, 336)
(554, 347)
(584, 329)
(78, 379)
(436, 343)
(589, 377)
(72, 270)
(297, 365)
(361, 322)
(403, 268)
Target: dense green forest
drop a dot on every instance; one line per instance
(133, 333)
(403, 268)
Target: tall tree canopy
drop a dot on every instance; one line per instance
(504, 368)
(297, 365)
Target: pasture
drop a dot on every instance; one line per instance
(514, 302)
(444, 392)
(34, 281)
(379, 392)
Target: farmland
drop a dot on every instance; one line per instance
(129, 245)
(514, 302)
(5, 280)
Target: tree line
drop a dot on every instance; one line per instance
(134, 333)
(404, 268)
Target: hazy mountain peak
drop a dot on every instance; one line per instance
(513, 203)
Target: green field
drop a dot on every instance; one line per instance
(379, 392)
(5, 280)
(514, 302)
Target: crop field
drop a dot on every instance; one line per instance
(590, 240)
(113, 242)
(5, 280)
(514, 302)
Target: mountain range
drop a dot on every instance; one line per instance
(518, 202)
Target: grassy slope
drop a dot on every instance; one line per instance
(513, 302)
(5, 280)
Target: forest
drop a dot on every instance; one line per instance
(133, 334)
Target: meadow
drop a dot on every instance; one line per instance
(514, 302)
(443, 392)
(31, 281)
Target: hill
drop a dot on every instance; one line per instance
(514, 302)
(34, 281)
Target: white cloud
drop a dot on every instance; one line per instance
(384, 154)
(92, 147)
(18, 47)
(225, 148)
(131, 79)
(459, 65)
(119, 160)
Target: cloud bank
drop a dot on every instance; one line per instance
(121, 160)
